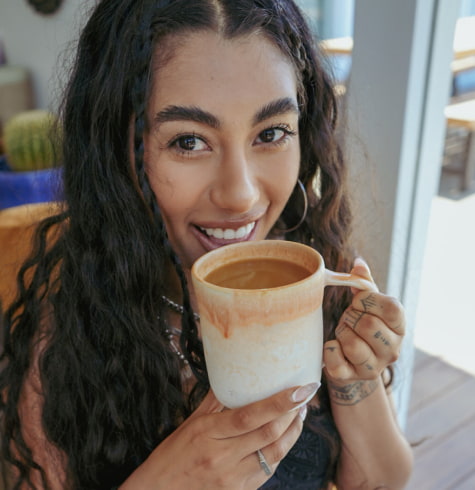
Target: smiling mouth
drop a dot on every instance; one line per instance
(229, 233)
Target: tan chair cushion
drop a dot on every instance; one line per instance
(17, 225)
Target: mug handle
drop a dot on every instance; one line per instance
(342, 279)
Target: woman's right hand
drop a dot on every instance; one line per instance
(216, 448)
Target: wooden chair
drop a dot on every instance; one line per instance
(17, 225)
(459, 66)
(461, 116)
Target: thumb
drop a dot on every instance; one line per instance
(361, 268)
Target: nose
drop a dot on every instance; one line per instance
(235, 187)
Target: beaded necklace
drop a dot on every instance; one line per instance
(173, 333)
(177, 308)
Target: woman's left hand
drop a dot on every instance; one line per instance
(368, 336)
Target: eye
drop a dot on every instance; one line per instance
(274, 135)
(188, 143)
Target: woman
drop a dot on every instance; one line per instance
(189, 125)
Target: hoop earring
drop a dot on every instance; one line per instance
(301, 187)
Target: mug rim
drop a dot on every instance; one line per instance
(198, 274)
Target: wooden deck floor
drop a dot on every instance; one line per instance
(441, 420)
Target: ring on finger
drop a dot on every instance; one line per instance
(264, 464)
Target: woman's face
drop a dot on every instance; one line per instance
(222, 150)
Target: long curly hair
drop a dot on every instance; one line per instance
(112, 387)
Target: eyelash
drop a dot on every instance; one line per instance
(285, 128)
(173, 144)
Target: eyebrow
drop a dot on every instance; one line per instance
(277, 107)
(181, 113)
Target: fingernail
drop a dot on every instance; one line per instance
(360, 261)
(304, 392)
(303, 412)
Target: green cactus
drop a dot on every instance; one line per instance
(32, 140)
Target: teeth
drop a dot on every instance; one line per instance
(229, 234)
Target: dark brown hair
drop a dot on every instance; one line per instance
(112, 388)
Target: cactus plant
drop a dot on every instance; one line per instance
(32, 140)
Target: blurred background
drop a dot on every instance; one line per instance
(405, 75)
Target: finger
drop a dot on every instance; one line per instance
(275, 452)
(383, 342)
(269, 433)
(388, 309)
(259, 472)
(356, 349)
(367, 342)
(246, 419)
(336, 365)
(361, 268)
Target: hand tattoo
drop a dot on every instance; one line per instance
(382, 338)
(352, 318)
(352, 393)
(369, 302)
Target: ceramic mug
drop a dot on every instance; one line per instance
(260, 304)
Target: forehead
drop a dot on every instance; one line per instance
(203, 67)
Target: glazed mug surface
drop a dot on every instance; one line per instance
(260, 304)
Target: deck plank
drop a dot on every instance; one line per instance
(445, 413)
(442, 415)
(468, 482)
(431, 380)
(421, 358)
(444, 464)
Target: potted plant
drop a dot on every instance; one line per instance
(30, 169)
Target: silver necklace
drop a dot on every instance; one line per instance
(174, 333)
(177, 308)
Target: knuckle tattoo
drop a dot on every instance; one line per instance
(369, 302)
(352, 318)
(382, 338)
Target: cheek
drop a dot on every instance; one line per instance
(286, 176)
(162, 187)
(177, 195)
(165, 192)
(160, 183)
(168, 204)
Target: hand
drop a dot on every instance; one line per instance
(216, 448)
(368, 336)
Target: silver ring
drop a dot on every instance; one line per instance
(264, 465)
